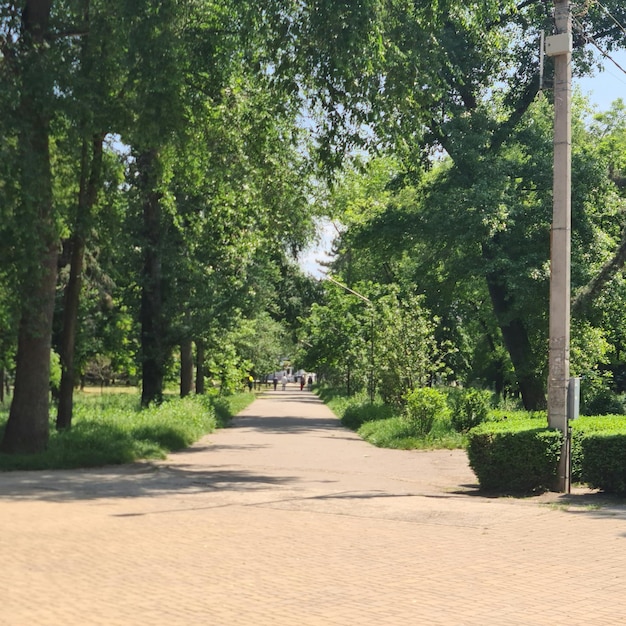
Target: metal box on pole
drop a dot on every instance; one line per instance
(573, 398)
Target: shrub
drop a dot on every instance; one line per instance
(470, 407)
(602, 402)
(358, 413)
(599, 452)
(423, 406)
(515, 456)
(604, 461)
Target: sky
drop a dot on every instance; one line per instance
(603, 88)
(608, 85)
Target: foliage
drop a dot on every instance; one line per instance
(514, 456)
(407, 353)
(380, 340)
(504, 414)
(598, 457)
(261, 342)
(336, 340)
(470, 407)
(423, 407)
(396, 432)
(597, 396)
(360, 410)
(55, 371)
(201, 107)
(111, 429)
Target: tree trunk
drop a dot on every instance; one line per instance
(200, 367)
(87, 195)
(151, 313)
(27, 428)
(186, 367)
(2, 374)
(518, 346)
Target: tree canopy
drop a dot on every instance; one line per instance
(162, 164)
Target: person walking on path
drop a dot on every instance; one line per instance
(284, 382)
(275, 381)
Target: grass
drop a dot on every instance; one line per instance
(397, 433)
(111, 429)
(383, 425)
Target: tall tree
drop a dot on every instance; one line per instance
(30, 58)
(428, 85)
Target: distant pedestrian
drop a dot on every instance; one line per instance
(284, 382)
(250, 383)
(310, 384)
(302, 382)
(275, 381)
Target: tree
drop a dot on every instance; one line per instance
(29, 59)
(334, 340)
(464, 98)
(464, 247)
(407, 355)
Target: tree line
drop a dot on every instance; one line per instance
(453, 219)
(161, 163)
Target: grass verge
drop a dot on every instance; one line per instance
(111, 429)
(385, 427)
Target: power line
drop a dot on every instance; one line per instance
(611, 16)
(591, 40)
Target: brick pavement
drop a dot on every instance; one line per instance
(287, 518)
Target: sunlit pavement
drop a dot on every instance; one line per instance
(286, 518)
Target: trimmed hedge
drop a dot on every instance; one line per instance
(514, 456)
(599, 452)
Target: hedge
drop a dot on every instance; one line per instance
(514, 456)
(599, 452)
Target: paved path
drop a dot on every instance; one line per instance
(288, 519)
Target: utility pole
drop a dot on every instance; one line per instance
(559, 46)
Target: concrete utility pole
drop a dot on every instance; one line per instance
(559, 46)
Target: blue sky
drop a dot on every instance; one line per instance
(608, 85)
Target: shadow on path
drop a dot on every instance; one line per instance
(278, 425)
(132, 481)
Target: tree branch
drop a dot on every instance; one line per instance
(587, 293)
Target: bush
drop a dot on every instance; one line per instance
(470, 408)
(599, 452)
(602, 402)
(354, 411)
(424, 406)
(515, 456)
(358, 413)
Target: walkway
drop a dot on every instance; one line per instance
(288, 519)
